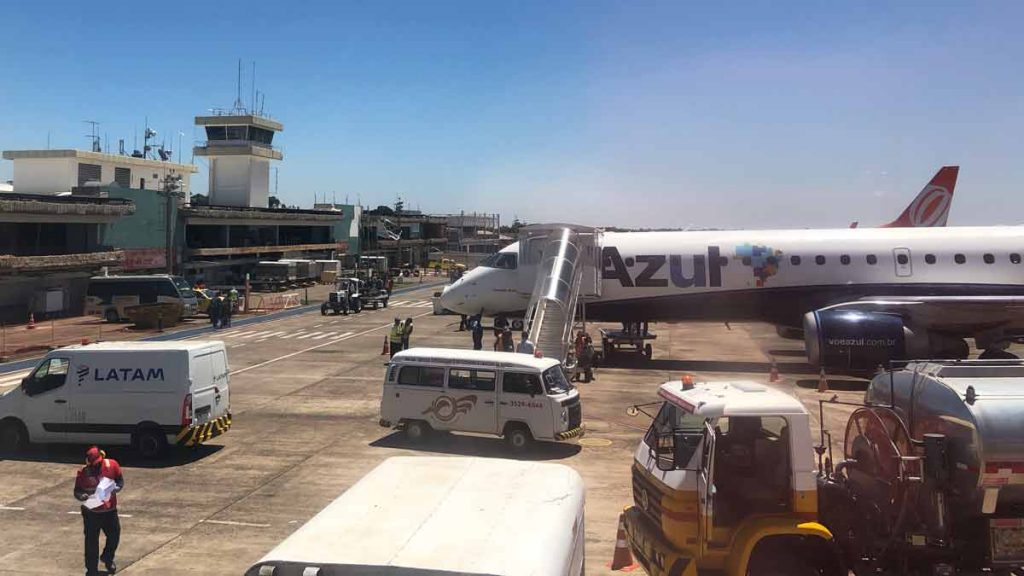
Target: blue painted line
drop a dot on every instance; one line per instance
(182, 334)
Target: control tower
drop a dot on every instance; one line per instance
(240, 147)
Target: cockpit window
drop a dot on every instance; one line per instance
(503, 260)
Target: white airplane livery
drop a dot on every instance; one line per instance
(863, 296)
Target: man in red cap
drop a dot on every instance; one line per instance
(99, 513)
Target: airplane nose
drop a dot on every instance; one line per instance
(453, 297)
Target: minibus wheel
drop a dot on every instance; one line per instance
(417, 430)
(518, 436)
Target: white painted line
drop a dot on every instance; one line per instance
(310, 335)
(231, 523)
(262, 338)
(328, 343)
(287, 336)
(12, 508)
(237, 334)
(236, 345)
(13, 378)
(399, 303)
(253, 334)
(317, 325)
(325, 335)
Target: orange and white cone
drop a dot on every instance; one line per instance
(622, 558)
(31, 321)
(386, 349)
(822, 381)
(773, 374)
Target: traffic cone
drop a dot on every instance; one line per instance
(385, 351)
(622, 558)
(31, 321)
(822, 381)
(773, 374)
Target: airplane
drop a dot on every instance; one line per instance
(863, 296)
(931, 206)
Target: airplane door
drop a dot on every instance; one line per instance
(706, 488)
(901, 259)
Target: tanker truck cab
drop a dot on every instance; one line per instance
(724, 480)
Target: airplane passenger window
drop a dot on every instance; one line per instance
(989, 259)
(819, 260)
(929, 258)
(903, 259)
(872, 259)
(959, 258)
(844, 259)
(794, 260)
(1014, 258)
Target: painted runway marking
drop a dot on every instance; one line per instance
(311, 334)
(12, 508)
(13, 378)
(318, 346)
(232, 523)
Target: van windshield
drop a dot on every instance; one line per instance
(555, 382)
(183, 287)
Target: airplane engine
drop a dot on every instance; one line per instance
(861, 341)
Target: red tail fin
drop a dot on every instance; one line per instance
(931, 207)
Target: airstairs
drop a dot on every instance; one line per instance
(567, 260)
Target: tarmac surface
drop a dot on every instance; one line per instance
(305, 392)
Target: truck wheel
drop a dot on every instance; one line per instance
(417, 430)
(111, 316)
(648, 351)
(149, 442)
(323, 310)
(385, 302)
(518, 437)
(13, 436)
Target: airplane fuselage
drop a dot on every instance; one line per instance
(770, 275)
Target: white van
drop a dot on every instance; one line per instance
(443, 516)
(144, 394)
(517, 396)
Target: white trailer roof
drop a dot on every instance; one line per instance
(438, 515)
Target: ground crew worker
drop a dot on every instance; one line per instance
(505, 342)
(214, 311)
(525, 346)
(225, 311)
(406, 333)
(102, 517)
(395, 337)
(233, 298)
(476, 325)
(586, 359)
(500, 323)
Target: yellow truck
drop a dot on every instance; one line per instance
(930, 481)
(721, 484)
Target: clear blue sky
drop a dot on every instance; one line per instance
(753, 114)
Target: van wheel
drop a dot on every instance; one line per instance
(111, 316)
(518, 437)
(417, 430)
(150, 442)
(13, 436)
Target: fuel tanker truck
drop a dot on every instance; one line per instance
(930, 480)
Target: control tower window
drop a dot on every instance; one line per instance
(261, 135)
(215, 133)
(235, 133)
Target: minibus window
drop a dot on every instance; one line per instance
(421, 376)
(521, 383)
(555, 382)
(461, 379)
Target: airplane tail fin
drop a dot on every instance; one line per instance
(931, 207)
